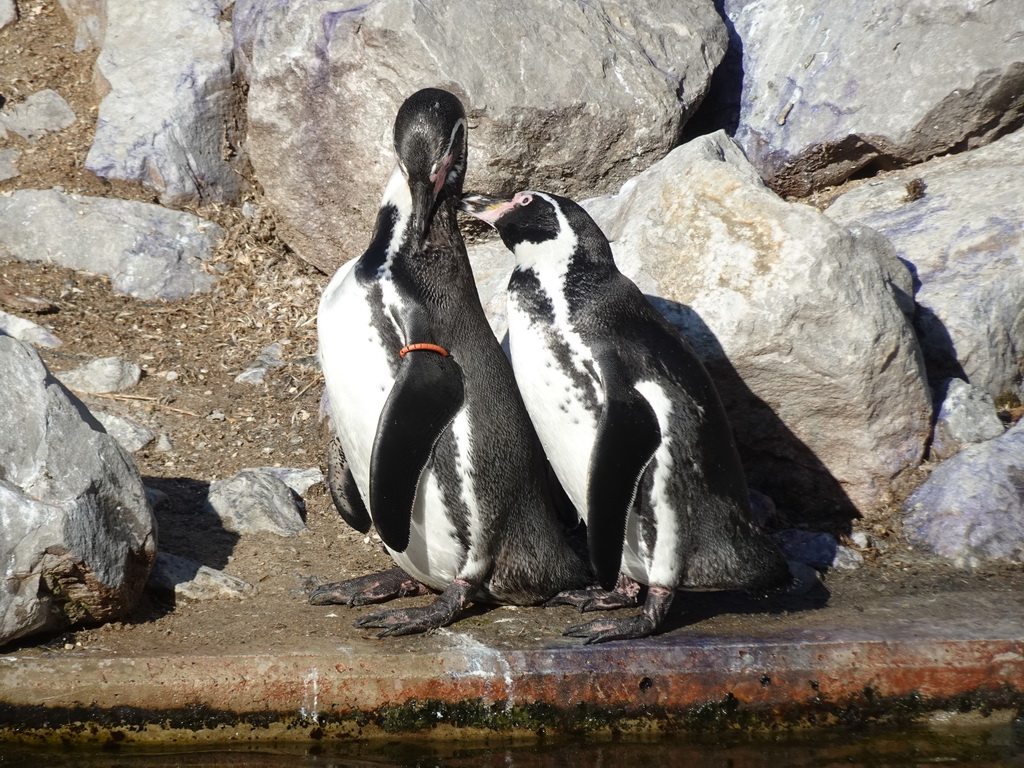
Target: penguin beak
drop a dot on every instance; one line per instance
(423, 198)
(486, 208)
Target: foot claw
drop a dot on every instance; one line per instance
(613, 629)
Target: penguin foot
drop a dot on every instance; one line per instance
(366, 590)
(411, 621)
(593, 599)
(659, 600)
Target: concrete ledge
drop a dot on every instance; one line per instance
(685, 681)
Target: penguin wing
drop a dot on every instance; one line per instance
(627, 437)
(343, 488)
(427, 394)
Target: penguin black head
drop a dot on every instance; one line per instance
(430, 141)
(558, 224)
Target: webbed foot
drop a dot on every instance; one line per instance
(411, 621)
(366, 590)
(659, 600)
(594, 598)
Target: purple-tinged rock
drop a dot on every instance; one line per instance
(971, 508)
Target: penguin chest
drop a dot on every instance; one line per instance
(560, 385)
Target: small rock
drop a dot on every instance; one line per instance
(762, 509)
(8, 162)
(253, 501)
(41, 113)
(27, 331)
(157, 498)
(815, 549)
(847, 559)
(971, 507)
(967, 415)
(8, 13)
(252, 376)
(107, 374)
(805, 578)
(88, 17)
(299, 480)
(130, 434)
(860, 539)
(187, 578)
(163, 444)
(269, 358)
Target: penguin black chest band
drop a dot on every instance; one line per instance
(423, 348)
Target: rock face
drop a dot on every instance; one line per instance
(148, 251)
(77, 536)
(165, 69)
(576, 99)
(960, 229)
(971, 508)
(795, 317)
(821, 90)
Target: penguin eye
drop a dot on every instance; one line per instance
(523, 198)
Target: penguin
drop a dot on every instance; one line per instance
(630, 421)
(434, 446)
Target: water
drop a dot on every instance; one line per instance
(1000, 746)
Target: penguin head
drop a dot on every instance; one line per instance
(529, 217)
(541, 228)
(430, 141)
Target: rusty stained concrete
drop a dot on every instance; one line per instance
(455, 685)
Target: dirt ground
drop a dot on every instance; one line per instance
(218, 427)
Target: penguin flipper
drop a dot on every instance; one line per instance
(427, 394)
(343, 488)
(627, 437)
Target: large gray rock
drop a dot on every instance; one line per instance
(574, 97)
(165, 73)
(148, 251)
(971, 508)
(795, 318)
(77, 536)
(964, 242)
(40, 113)
(967, 415)
(88, 17)
(831, 87)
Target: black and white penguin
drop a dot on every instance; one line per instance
(629, 419)
(434, 445)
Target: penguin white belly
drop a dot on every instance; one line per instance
(566, 427)
(358, 380)
(355, 367)
(434, 555)
(660, 564)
